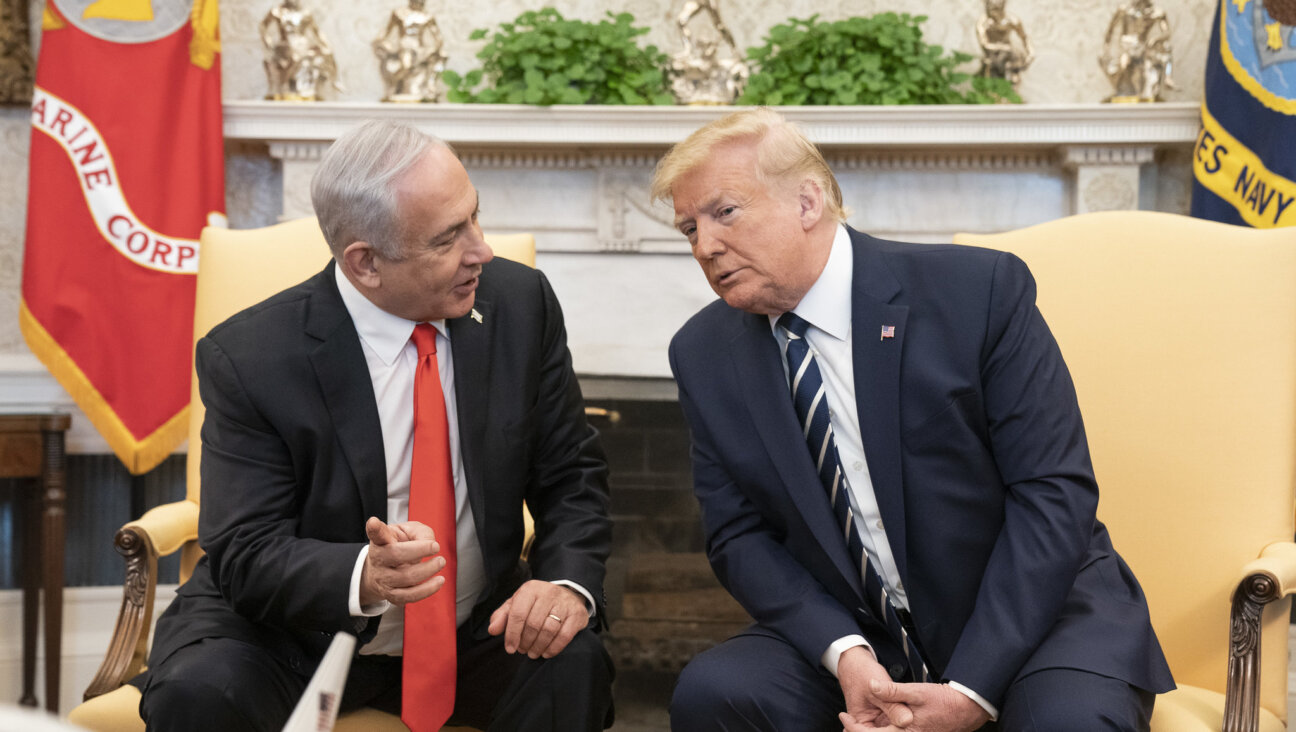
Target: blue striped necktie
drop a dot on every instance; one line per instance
(811, 403)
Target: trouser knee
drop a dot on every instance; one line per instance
(584, 656)
(571, 691)
(219, 684)
(705, 697)
(1069, 700)
(193, 704)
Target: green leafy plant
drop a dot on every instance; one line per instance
(543, 58)
(878, 59)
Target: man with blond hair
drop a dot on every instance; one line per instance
(892, 470)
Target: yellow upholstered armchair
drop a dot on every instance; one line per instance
(1181, 337)
(237, 268)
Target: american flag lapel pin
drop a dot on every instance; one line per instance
(476, 315)
(888, 331)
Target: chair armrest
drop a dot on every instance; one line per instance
(1264, 580)
(1277, 562)
(528, 531)
(159, 532)
(168, 526)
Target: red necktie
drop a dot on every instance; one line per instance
(428, 669)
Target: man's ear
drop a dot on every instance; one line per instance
(358, 260)
(810, 203)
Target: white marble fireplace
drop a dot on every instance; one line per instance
(577, 178)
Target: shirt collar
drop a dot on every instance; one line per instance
(384, 333)
(827, 305)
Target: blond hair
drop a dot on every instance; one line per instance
(784, 154)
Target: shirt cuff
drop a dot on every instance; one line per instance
(590, 607)
(990, 708)
(832, 656)
(353, 598)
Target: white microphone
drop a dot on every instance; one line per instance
(318, 708)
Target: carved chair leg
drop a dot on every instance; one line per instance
(1242, 697)
(129, 645)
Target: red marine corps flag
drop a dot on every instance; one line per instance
(126, 168)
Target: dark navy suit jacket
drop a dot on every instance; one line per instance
(979, 463)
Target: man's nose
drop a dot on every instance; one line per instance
(708, 243)
(478, 252)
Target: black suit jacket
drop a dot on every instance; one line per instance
(293, 463)
(979, 463)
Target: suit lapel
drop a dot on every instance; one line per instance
(470, 342)
(343, 376)
(877, 382)
(759, 367)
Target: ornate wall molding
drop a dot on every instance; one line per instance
(948, 159)
(1077, 155)
(294, 150)
(1107, 177)
(527, 159)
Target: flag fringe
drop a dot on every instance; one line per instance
(205, 44)
(138, 455)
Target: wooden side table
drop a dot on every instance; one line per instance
(31, 446)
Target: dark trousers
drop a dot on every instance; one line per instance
(225, 684)
(755, 681)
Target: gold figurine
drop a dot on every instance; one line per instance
(1136, 53)
(409, 55)
(298, 62)
(699, 75)
(1001, 56)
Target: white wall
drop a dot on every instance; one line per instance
(88, 617)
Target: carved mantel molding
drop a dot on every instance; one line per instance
(507, 125)
(578, 178)
(1103, 147)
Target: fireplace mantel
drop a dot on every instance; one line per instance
(1097, 152)
(577, 126)
(577, 177)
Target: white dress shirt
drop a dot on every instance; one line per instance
(827, 307)
(393, 361)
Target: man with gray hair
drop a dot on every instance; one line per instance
(892, 470)
(370, 437)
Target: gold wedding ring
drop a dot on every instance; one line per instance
(555, 617)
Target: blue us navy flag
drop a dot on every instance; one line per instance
(1244, 163)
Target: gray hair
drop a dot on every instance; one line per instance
(353, 189)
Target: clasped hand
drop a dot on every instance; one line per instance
(875, 702)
